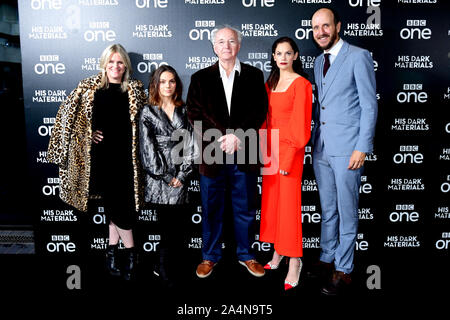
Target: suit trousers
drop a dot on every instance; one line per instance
(339, 196)
(242, 188)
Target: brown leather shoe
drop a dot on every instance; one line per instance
(338, 284)
(205, 268)
(254, 267)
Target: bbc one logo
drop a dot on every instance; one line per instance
(310, 214)
(61, 243)
(49, 64)
(307, 160)
(260, 246)
(144, 4)
(51, 188)
(260, 60)
(445, 186)
(415, 29)
(152, 244)
(151, 62)
(361, 3)
(99, 31)
(99, 217)
(258, 3)
(197, 217)
(404, 213)
(444, 242)
(412, 93)
(361, 244)
(304, 32)
(200, 32)
(365, 187)
(408, 155)
(46, 4)
(46, 128)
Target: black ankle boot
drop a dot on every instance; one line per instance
(164, 270)
(112, 260)
(130, 262)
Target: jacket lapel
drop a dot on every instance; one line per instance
(318, 74)
(333, 70)
(235, 94)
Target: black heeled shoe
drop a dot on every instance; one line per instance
(130, 262)
(163, 270)
(112, 260)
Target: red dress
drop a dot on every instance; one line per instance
(290, 112)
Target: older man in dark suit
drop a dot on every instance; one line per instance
(227, 102)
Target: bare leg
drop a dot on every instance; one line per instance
(276, 258)
(113, 234)
(126, 235)
(293, 272)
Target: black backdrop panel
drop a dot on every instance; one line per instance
(404, 192)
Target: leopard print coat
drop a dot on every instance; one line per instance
(70, 141)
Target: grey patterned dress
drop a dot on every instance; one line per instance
(167, 152)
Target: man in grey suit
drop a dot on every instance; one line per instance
(345, 119)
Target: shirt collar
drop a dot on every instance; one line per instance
(237, 67)
(336, 48)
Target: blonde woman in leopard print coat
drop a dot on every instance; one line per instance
(74, 138)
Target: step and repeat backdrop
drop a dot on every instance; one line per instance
(404, 206)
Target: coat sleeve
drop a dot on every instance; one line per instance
(190, 151)
(152, 160)
(58, 148)
(298, 132)
(366, 86)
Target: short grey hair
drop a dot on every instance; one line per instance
(226, 26)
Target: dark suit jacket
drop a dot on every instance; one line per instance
(206, 102)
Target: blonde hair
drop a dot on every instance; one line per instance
(104, 59)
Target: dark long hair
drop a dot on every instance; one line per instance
(153, 87)
(274, 75)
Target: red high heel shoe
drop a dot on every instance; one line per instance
(272, 266)
(288, 285)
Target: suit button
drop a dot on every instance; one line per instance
(323, 108)
(323, 122)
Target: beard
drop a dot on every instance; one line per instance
(333, 38)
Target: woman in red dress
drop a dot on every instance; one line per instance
(290, 108)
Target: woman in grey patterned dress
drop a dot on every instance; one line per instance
(167, 154)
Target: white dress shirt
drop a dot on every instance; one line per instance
(228, 81)
(334, 50)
